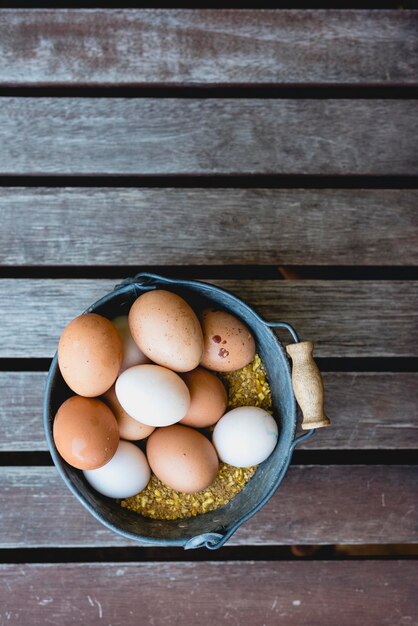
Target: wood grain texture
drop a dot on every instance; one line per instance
(60, 226)
(343, 318)
(87, 136)
(368, 411)
(296, 593)
(177, 47)
(314, 505)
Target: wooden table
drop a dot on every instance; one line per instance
(275, 153)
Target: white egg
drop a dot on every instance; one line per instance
(245, 436)
(153, 395)
(132, 355)
(126, 474)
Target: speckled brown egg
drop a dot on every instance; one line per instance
(182, 458)
(90, 353)
(129, 428)
(85, 432)
(228, 344)
(167, 330)
(208, 398)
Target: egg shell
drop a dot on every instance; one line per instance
(90, 354)
(208, 398)
(126, 474)
(228, 344)
(182, 458)
(153, 395)
(132, 355)
(129, 428)
(245, 436)
(85, 432)
(167, 330)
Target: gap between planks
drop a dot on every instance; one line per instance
(280, 92)
(214, 272)
(214, 181)
(128, 554)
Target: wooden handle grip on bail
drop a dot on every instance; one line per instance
(307, 385)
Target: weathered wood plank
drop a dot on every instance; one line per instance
(314, 505)
(344, 318)
(21, 422)
(300, 593)
(56, 226)
(87, 136)
(368, 411)
(177, 47)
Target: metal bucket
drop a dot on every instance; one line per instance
(212, 529)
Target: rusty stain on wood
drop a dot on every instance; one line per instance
(208, 47)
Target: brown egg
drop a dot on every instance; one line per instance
(85, 432)
(90, 354)
(182, 458)
(208, 398)
(228, 344)
(129, 428)
(167, 330)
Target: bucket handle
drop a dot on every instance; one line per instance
(307, 381)
(150, 280)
